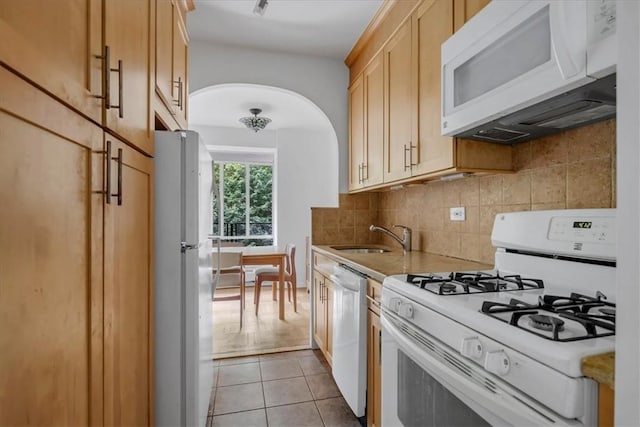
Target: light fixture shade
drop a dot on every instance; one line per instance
(255, 123)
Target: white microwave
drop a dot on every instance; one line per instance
(519, 70)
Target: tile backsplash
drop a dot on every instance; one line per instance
(573, 169)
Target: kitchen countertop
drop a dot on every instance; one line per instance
(600, 368)
(379, 265)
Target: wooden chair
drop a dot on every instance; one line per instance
(231, 275)
(270, 274)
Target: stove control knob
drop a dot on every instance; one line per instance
(406, 310)
(394, 304)
(471, 348)
(497, 362)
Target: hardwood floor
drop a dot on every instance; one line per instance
(259, 334)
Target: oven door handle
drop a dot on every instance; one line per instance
(505, 400)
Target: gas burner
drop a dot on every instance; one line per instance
(448, 287)
(545, 323)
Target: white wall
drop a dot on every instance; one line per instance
(324, 81)
(302, 178)
(627, 391)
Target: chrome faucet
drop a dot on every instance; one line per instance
(405, 241)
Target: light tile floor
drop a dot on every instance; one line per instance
(280, 389)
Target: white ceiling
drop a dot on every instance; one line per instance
(327, 28)
(223, 105)
(314, 27)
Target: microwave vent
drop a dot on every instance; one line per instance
(500, 135)
(570, 115)
(581, 116)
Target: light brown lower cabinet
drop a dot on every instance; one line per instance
(374, 354)
(50, 261)
(605, 405)
(76, 318)
(374, 371)
(128, 290)
(323, 314)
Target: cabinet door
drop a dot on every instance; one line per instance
(399, 97)
(126, 33)
(328, 300)
(128, 291)
(50, 260)
(180, 59)
(319, 311)
(374, 363)
(356, 133)
(374, 122)
(165, 9)
(56, 44)
(465, 9)
(432, 25)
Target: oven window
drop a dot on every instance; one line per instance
(424, 402)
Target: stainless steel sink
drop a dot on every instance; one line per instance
(360, 249)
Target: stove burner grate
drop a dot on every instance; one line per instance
(456, 283)
(548, 315)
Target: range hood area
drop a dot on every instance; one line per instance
(582, 106)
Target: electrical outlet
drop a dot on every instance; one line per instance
(457, 214)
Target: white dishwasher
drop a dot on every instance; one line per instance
(350, 337)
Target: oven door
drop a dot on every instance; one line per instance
(426, 383)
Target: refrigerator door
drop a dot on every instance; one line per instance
(168, 292)
(197, 204)
(184, 368)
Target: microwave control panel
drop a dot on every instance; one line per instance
(601, 21)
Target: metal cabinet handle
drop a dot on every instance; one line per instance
(120, 105)
(106, 86)
(380, 347)
(359, 173)
(411, 147)
(119, 194)
(179, 84)
(410, 150)
(108, 172)
(365, 176)
(106, 82)
(405, 157)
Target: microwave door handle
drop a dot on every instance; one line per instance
(560, 38)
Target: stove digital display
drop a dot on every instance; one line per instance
(582, 224)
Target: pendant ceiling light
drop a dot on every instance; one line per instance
(260, 7)
(255, 123)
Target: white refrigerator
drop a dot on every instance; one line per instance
(184, 188)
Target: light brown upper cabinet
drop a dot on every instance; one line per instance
(56, 45)
(171, 63)
(433, 24)
(93, 55)
(398, 102)
(366, 115)
(465, 9)
(356, 133)
(126, 68)
(413, 147)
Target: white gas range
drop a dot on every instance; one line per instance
(504, 347)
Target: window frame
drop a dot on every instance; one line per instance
(247, 182)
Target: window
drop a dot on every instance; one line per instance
(246, 212)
